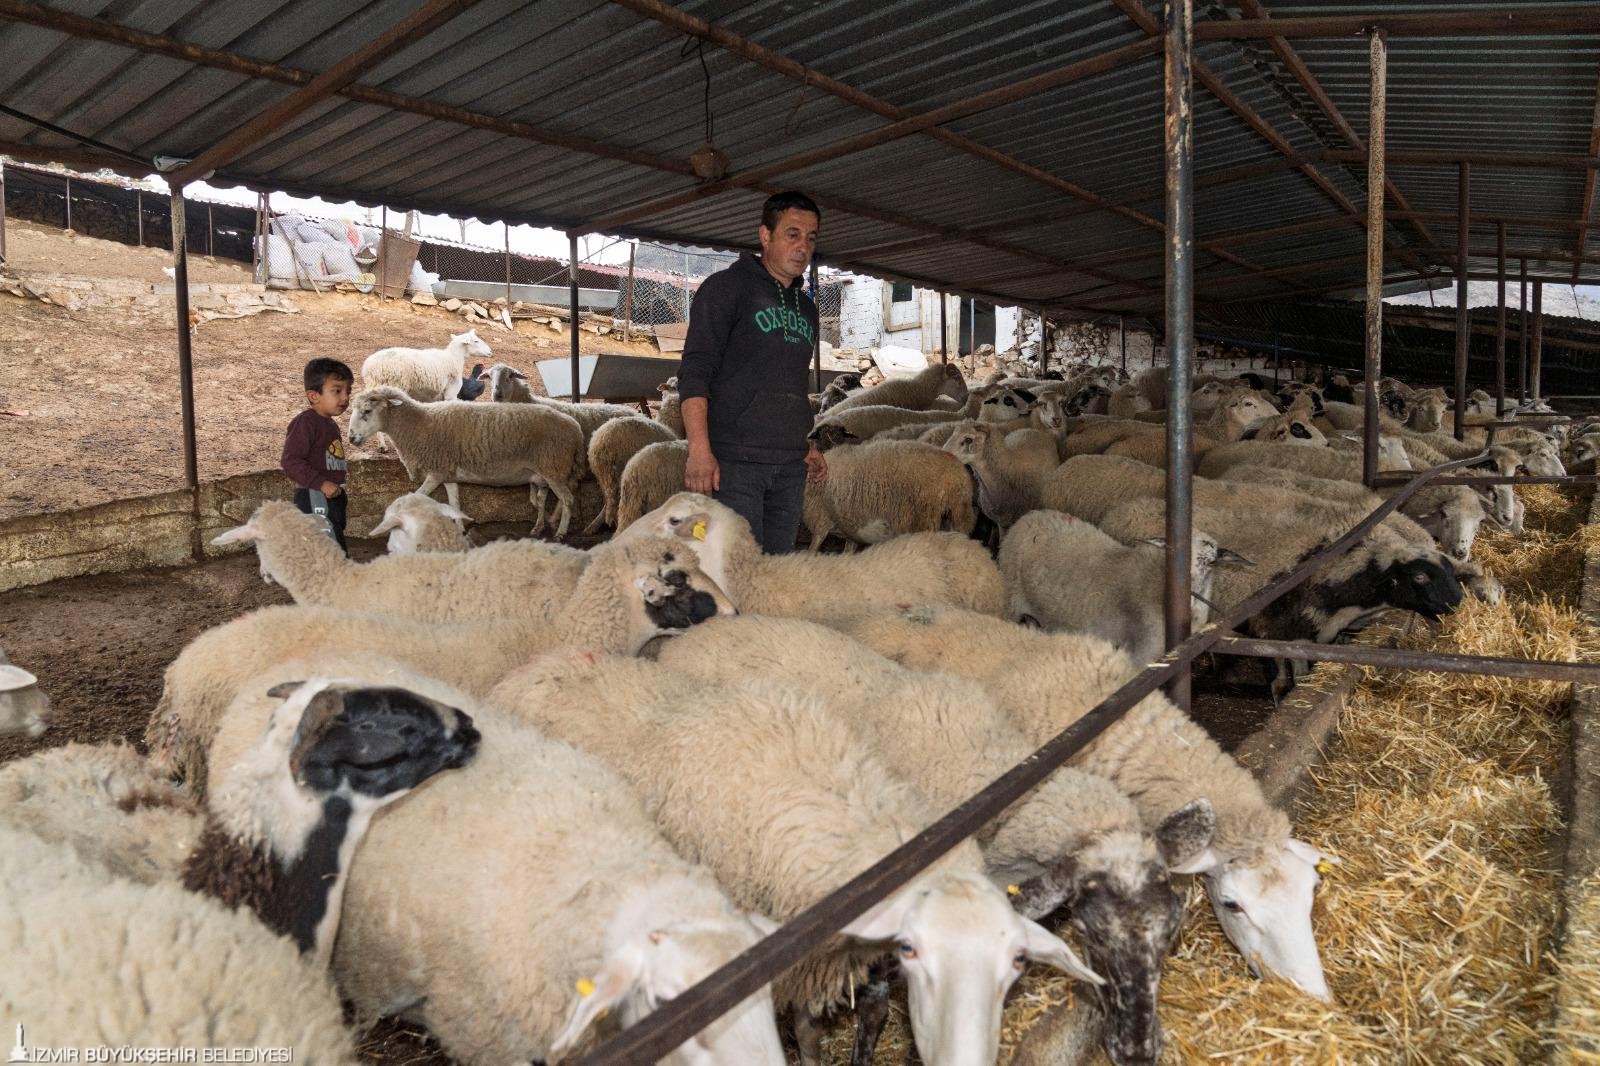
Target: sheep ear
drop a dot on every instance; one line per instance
(1228, 555)
(15, 677)
(1044, 946)
(1204, 859)
(764, 925)
(883, 921)
(596, 996)
(245, 534)
(395, 401)
(389, 522)
(284, 689)
(1186, 832)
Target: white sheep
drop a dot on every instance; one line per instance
(1074, 833)
(481, 444)
(875, 419)
(914, 568)
(418, 523)
(610, 448)
(670, 413)
(424, 374)
(118, 961)
(107, 804)
(24, 708)
(651, 478)
(1009, 482)
(882, 489)
(509, 385)
(760, 785)
(630, 593)
(916, 391)
(1260, 879)
(506, 579)
(543, 878)
(1318, 462)
(1068, 576)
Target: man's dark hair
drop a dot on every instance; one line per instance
(779, 202)
(319, 371)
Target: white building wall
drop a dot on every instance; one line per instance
(861, 312)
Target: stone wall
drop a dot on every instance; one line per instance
(161, 530)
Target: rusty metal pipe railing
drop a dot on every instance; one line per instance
(660, 1032)
(1463, 308)
(1410, 659)
(1377, 115)
(1485, 480)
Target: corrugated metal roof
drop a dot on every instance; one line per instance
(605, 72)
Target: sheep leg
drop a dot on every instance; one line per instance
(430, 483)
(568, 505)
(538, 494)
(452, 491)
(872, 1010)
(808, 1036)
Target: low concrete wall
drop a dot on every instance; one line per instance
(161, 530)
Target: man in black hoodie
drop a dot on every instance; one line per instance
(746, 410)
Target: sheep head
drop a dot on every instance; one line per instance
(369, 408)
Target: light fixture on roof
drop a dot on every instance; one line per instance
(708, 161)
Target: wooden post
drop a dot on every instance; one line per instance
(507, 226)
(2, 212)
(1377, 113)
(383, 260)
(1536, 344)
(69, 203)
(627, 296)
(211, 234)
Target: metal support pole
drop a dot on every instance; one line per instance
(1536, 344)
(211, 234)
(1179, 126)
(1377, 111)
(1522, 338)
(816, 340)
(1500, 321)
(1044, 347)
(944, 328)
(383, 255)
(138, 210)
(572, 303)
(1122, 341)
(2, 212)
(627, 296)
(507, 227)
(1463, 320)
(69, 202)
(180, 271)
(972, 334)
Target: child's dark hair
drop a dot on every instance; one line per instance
(319, 371)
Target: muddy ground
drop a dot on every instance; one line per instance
(100, 386)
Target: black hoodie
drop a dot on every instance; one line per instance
(748, 353)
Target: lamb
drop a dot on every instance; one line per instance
(1585, 450)
(418, 523)
(484, 444)
(916, 392)
(914, 568)
(944, 734)
(507, 384)
(651, 478)
(571, 886)
(331, 756)
(611, 448)
(670, 413)
(1296, 425)
(1046, 556)
(1260, 879)
(630, 593)
(800, 809)
(507, 579)
(1009, 482)
(1478, 581)
(1427, 410)
(882, 489)
(24, 708)
(424, 374)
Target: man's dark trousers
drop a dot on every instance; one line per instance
(769, 496)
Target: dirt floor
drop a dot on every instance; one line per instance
(100, 386)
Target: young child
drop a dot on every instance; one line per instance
(313, 450)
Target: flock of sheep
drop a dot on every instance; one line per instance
(564, 820)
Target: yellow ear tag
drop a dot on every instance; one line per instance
(1324, 867)
(585, 987)
(1013, 890)
(699, 531)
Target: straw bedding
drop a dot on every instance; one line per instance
(1435, 930)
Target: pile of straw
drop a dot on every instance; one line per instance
(1575, 1031)
(1435, 928)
